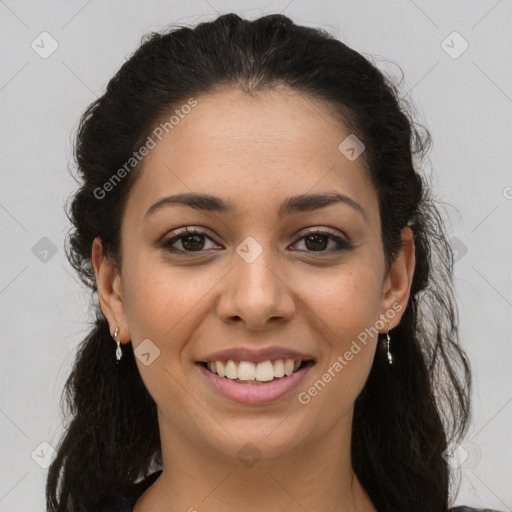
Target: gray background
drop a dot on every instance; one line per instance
(466, 102)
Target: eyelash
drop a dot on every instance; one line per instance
(342, 245)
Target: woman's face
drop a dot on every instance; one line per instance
(254, 280)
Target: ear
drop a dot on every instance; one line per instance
(110, 292)
(397, 284)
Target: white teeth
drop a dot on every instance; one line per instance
(279, 368)
(249, 371)
(221, 372)
(231, 370)
(246, 370)
(264, 371)
(288, 366)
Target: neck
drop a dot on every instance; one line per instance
(315, 476)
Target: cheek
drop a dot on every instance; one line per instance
(162, 304)
(346, 299)
(159, 298)
(347, 305)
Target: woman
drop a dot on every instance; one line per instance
(276, 326)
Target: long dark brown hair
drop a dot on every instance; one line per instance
(407, 414)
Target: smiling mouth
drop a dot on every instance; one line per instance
(247, 372)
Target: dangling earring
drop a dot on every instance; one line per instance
(390, 358)
(119, 352)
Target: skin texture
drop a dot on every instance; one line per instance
(254, 151)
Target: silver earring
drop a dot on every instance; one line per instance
(390, 358)
(119, 352)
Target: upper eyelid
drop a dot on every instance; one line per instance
(182, 232)
(208, 233)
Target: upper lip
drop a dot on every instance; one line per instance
(257, 356)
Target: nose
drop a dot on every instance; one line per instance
(255, 293)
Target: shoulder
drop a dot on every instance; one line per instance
(464, 508)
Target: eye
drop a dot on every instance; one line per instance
(191, 240)
(316, 240)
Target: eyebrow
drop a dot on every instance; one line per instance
(290, 206)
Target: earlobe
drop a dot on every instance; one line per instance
(399, 280)
(108, 282)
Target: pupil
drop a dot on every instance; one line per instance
(316, 245)
(189, 246)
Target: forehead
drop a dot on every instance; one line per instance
(250, 149)
(276, 124)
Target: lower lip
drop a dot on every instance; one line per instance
(255, 393)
